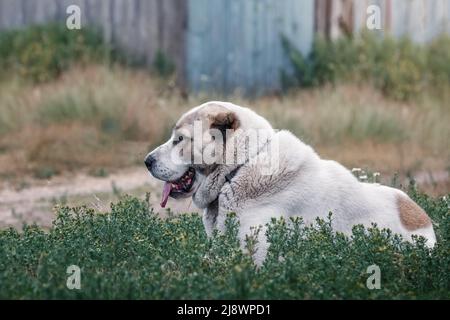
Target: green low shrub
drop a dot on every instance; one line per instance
(398, 67)
(163, 64)
(41, 53)
(132, 253)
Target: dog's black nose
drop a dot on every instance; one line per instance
(149, 160)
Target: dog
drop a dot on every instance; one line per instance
(195, 162)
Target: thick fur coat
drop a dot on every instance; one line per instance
(301, 184)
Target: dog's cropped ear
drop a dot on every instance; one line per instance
(224, 121)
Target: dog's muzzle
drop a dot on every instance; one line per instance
(149, 161)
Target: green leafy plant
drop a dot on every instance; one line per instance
(45, 172)
(132, 253)
(398, 67)
(163, 65)
(41, 53)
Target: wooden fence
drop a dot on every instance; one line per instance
(140, 27)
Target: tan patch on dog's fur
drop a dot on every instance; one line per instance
(213, 115)
(224, 120)
(411, 215)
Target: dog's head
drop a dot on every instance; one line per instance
(197, 146)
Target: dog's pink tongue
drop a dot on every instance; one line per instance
(165, 194)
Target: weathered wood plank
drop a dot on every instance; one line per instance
(140, 27)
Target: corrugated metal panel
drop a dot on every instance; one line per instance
(235, 45)
(421, 20)
(230, 45)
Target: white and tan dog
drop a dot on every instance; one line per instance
(299, 184)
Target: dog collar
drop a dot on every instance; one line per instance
(231, 175)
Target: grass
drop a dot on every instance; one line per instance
(88, 118)
(132, 253)
(70, 103)
(103, 117)
(400, 68)
(40, 53)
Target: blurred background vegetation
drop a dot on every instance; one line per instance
(79, 103)
(400, 69)
(70, 102)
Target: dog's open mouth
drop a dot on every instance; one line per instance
(180, 187)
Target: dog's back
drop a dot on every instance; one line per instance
(308, 186)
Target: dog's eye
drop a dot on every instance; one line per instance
(178, 140)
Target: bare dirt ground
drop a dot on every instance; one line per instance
(35, 202)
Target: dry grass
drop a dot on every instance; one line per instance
(100, 118)
(92, 117)
(355, 123)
